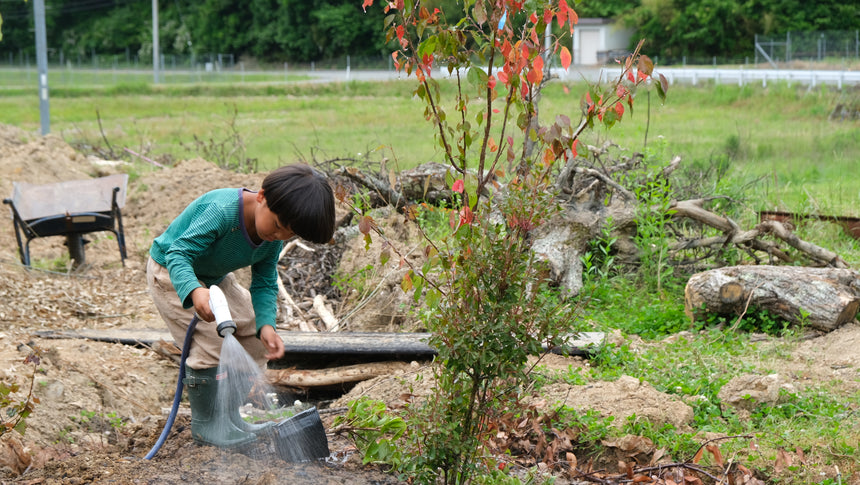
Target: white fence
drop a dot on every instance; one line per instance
(737, 76)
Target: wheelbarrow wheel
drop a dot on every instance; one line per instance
(76, 242)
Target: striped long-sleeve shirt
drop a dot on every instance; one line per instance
(208, 240)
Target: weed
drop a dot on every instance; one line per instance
(229, 153)
(14, 410)
(598, 261)
(377, 433)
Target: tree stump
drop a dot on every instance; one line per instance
(828, 296)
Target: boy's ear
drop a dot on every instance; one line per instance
(260, 197)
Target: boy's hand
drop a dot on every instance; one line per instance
(272, 342)
(200, 299)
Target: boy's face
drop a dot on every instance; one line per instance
(269, 227)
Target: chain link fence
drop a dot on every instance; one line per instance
(820, 46)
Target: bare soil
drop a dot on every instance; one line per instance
(102, 405)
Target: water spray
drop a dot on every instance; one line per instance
(298, 438)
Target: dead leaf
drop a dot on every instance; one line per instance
(783, 461)
(698, 457)
(718, 456)
(658, 454)
(801, 457)
(571, 460)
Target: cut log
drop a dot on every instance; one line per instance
(823, 298)
(306, 378)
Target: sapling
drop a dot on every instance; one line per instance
(488, 300)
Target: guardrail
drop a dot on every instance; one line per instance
(739, 76)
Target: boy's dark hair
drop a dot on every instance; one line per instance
(301, 197)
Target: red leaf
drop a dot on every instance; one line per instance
(466, 216)
(573, 18)
(573, 147)
(503, 76)
(401, 30)
(565, 57)
(366, 224)
(630, 77)
(536, 74)
(365, 4)
(619, 109)
(458, 186)
(491, 82)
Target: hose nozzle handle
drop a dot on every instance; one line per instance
(218, 304)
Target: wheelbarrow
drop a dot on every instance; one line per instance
(70, 209)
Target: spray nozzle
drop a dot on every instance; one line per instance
(218, 304)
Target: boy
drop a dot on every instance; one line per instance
(222, 231)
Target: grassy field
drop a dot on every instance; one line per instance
(780, 136)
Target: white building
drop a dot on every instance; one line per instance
(598, 41)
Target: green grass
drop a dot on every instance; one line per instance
(779, 136)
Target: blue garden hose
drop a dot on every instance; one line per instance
(178, 397)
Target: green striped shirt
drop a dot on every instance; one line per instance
(208, 240)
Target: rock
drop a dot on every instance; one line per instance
(748, 391)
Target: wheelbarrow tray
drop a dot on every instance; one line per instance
(68, 208)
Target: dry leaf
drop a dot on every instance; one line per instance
(698, 457)
(783, 460)
(800, 456)
(571, 460)
(718, 457)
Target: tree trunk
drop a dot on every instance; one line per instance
(828, 297)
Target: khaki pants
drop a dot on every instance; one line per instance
(205, 348)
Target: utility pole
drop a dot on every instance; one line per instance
(42, 64)
(155, 55)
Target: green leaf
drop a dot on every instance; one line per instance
(387, 22)
(477, 77)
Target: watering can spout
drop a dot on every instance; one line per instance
(218, 304)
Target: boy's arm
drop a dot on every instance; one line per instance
(197, 237)
(264, 289)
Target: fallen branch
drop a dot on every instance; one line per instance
(816, 252)
(307, 378)
(694, 209)
(391, 196)
(331, 323)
